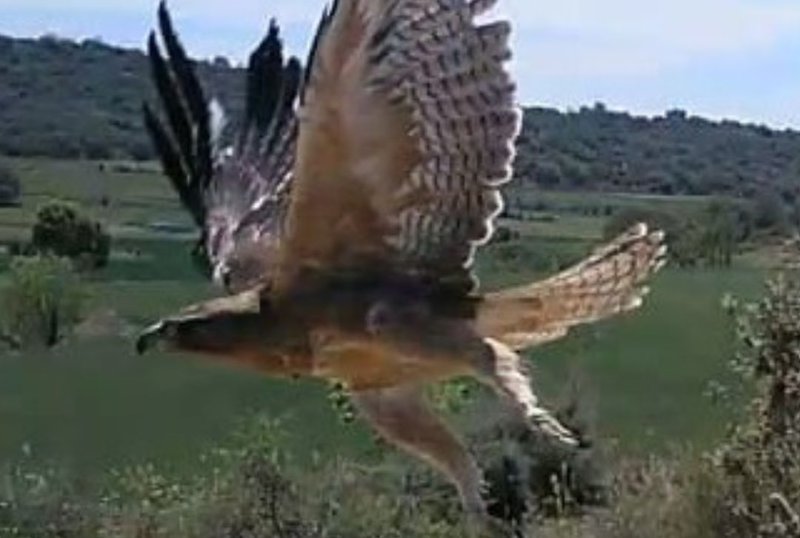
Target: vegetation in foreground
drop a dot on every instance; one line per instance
(749, 485)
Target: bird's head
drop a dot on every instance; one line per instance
(241, 330)
(216, 327)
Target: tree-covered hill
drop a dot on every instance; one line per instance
(595, 149)
(65, 99)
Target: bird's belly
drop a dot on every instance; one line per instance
(289, 365)
(366, 364)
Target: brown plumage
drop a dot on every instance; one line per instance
(345, 216)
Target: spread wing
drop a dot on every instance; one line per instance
(607, 283)
(235, 187)
(406, 134)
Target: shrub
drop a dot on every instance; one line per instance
(41, 504)
(40, 302)
(62, 231)
(710, 238)
(624, 219)
(760, 462)
(748, 487)
(255, 490)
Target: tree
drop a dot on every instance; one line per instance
(548, 174)
(40, 302)
(62, 231)
(719, 234)
(710, 238)
(10, 188)
(770, 212)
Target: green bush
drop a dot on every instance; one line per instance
(624, 219)
(61, 230)
(41, 300)
(749, 486)
(760, 462)
(42, 504)
(711, 238)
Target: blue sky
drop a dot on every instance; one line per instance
(736, 59)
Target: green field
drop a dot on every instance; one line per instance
(93, 405)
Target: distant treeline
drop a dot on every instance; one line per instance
(674, 154)
(65, 99)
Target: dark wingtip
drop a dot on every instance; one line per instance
(163, 14)
(164, 18)
(153, 48)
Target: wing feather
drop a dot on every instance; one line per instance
(406, 134)
(193, 98)
(236, 194)
(608, 282)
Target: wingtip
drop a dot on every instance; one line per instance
(640, 229)
(153, 48)
(164, 18)
(658, 236)
(163, 11)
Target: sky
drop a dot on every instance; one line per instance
(736, 59)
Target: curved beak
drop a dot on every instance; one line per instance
(151, 337)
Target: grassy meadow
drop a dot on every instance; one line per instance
(92, 405)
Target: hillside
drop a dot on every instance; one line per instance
(65, 99)
(596, 149)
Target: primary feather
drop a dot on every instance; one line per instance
(407, 131)
(236, 191)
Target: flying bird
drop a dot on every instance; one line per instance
(343, 211)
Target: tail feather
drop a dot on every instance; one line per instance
(610, 281)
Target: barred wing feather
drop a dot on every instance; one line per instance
(406, 135)
(236, 190)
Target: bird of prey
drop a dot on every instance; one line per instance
(343, 211)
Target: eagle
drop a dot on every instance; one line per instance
(342, 213)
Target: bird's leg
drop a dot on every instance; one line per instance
(455, 342)
(402, 417)
(502, 369)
